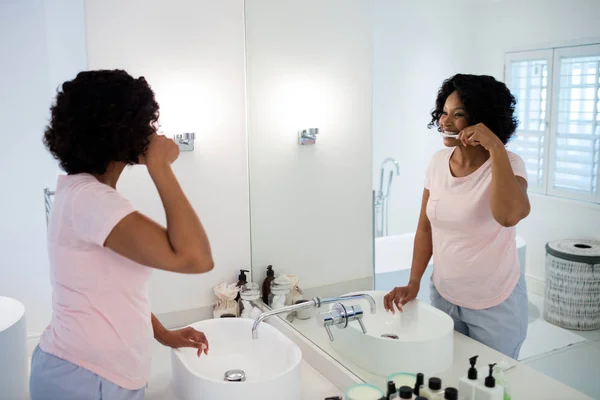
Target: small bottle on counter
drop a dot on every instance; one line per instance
(419, 384)
(392, 393)
(467, 384)
(405, 392)
(499, 369)
(250, 292)
(434, 390)
(450, 393)
(279, 293)
(242, 280)
(489, 390)
(266, 287)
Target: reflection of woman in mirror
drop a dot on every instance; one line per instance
(99, 341)
(475, 193)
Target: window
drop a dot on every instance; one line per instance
(558, 106)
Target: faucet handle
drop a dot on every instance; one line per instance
(329, 333)
(334, 317)
(362, 325)
(355, 313)
(326, 320)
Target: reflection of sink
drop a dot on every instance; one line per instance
(271, 363)
(420, 339)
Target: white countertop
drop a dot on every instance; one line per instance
(524, 382)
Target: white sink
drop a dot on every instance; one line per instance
(271, 363)
(424, 339)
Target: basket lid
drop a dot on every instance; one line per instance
(576, 250)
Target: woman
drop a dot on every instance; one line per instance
(475, 193)
(98, 344)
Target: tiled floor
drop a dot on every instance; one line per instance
(574, 364)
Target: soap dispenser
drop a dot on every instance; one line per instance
(467, 384)
(242, 280)
(266, 287)
(489, 390)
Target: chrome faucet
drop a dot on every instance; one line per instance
(335, 317)
(381, 198)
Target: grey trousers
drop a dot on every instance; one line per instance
(53, 378)
(502, 327)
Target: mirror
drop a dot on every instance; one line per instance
(341, 213)
(305, 220)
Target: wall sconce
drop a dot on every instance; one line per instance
(307, 136)
(185, 141)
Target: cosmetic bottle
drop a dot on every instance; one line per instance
(489, 390)
(467, 384)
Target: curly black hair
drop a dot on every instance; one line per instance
(99, 117)
(486, 101)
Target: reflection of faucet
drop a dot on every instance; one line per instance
(354, 313)
(48, 203)
(381, 198)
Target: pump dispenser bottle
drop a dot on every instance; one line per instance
(467, 384)
(489, 390)
(242, 280)
(266, 287)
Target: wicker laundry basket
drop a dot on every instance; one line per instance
(572, 298)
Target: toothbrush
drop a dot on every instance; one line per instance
(452, 135)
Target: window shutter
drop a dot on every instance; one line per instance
(528, 76)
(574, 166)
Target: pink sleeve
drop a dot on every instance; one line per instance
(96, 210)
(518, 165)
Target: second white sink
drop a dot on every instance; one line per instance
(420, 339)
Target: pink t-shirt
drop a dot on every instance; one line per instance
(101, 313)
(475, 258)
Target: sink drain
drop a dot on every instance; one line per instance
(235, 375)
(390, 336)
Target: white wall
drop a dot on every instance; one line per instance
(192, 54)
(42, 43)
(417, 44)
(309, 65)
(519, 25)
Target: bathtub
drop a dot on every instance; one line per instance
(393, 258)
